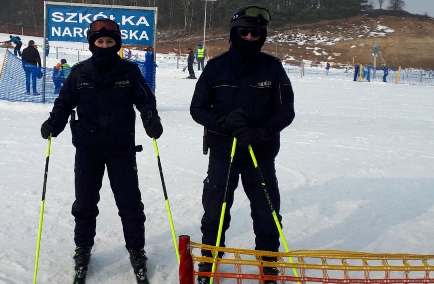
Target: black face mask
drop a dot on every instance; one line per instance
(245, 47)
(105, 57)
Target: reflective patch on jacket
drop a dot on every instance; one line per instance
(262, 84)
(85, 85)
(122, 84)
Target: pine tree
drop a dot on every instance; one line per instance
(396, 5)
(365, 5)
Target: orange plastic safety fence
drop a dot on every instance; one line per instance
(318, 266)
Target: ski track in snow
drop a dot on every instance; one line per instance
(355, 171)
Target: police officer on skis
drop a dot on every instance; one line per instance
(104, 90)
(246, 94)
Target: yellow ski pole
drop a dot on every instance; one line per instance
(41, 210)
(166, 198)
(270, 205)
(222, 214)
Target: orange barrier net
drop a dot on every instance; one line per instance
(310, 266)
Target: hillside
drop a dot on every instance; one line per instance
(404, 40)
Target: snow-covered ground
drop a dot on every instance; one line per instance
(356, 172)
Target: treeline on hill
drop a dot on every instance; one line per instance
(26, 16)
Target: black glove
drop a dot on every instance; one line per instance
(247, 136)
(152, 124)
(234, 120)
(47, 129)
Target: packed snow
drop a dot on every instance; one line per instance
(355, 172)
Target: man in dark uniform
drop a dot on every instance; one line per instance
(105, 89)
(246, 94)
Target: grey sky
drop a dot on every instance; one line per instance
(414, 6)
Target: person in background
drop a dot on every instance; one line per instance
(150, 66)
(356, 72)
(31, 61)
(327, 68)
(104, 90)
(368, 73)
(57, 78)
(65, 69)
(385, 72)
(190, 61)
(200, 56)
(18, 43)
(243, 93)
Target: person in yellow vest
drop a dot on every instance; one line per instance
(200, 56)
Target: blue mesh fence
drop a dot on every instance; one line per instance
(13, 80)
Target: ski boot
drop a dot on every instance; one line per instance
(270, 271)
(81, 258)
(204, 267)
(267, 270)
(138, 261)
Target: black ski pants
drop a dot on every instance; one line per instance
(266, 233)
(122, 172)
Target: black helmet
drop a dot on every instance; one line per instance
(251, 16)
(103, 27)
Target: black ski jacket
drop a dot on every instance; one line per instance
(258, 85)
(31, 55)
(104, 100)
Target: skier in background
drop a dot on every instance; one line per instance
(18, 43)
(190, 61)
(246, 94)
(31, 61)
(104, 89)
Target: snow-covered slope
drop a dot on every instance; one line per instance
(355, 172)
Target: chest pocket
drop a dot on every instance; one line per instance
(260, 96)
(224, 95)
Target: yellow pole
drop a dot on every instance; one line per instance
(166, 198)
(41, 211)
(222, 213)
(270, 204)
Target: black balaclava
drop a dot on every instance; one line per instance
(241, 20)
(104, 57)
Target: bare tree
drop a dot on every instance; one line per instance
(380, 3)
(396, 5)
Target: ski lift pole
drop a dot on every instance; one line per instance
(270, 205)
(41, 211)
(166, 198)
(222, 213)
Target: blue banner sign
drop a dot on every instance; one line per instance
(69, 22)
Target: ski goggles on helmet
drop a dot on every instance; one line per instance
(254, 12)
(106, 24)
(255, 32)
